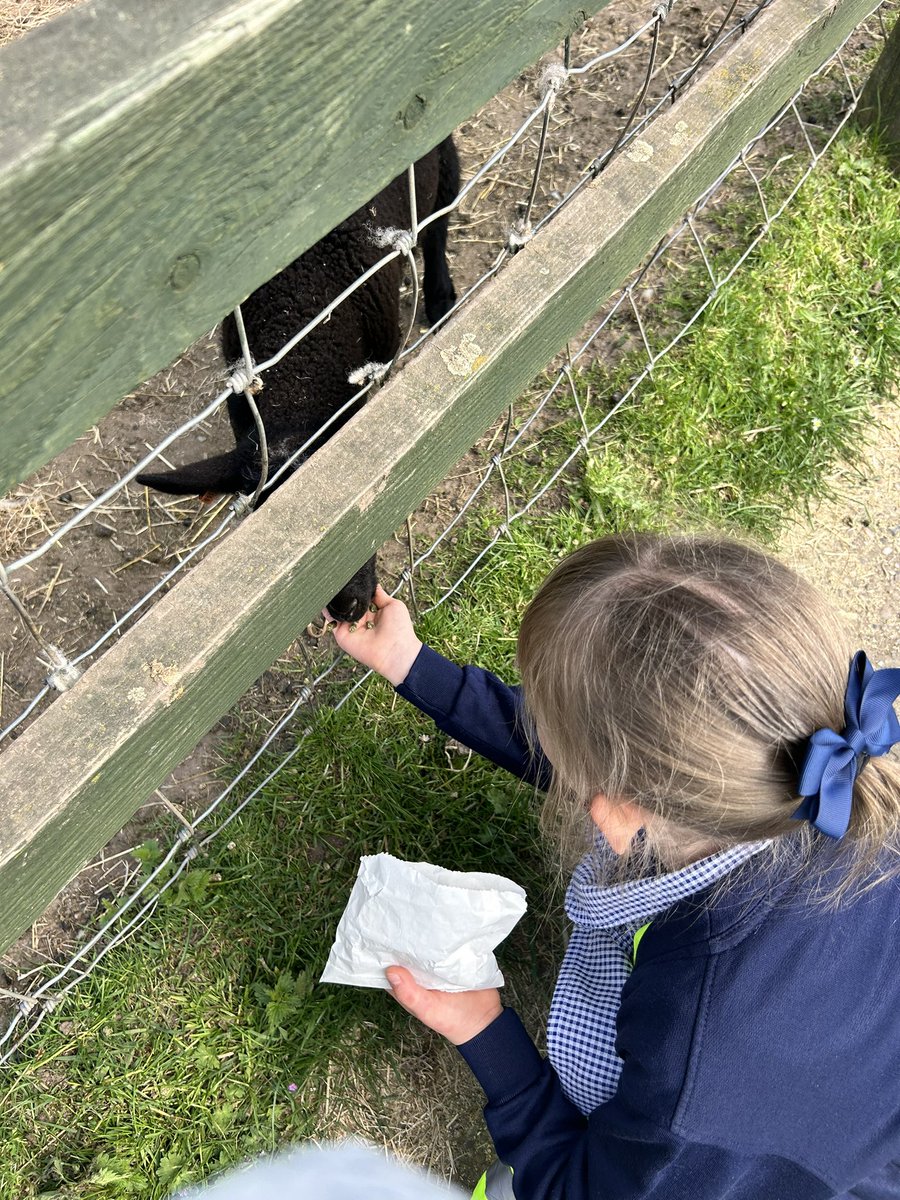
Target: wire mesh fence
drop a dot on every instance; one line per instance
(485, 495)
(119, 534)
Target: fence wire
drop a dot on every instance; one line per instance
(60, 669)
(794, 140)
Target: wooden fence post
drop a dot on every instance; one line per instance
(879, 104)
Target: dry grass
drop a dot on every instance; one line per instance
(18, 17)
(26, 516)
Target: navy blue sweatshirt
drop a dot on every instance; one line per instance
(760, 1033)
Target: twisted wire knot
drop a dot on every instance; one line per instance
(241, 505)
(401, 240)
(243, 379)
(370, 372)
(552, 79)
(519, 235)
(63, 673)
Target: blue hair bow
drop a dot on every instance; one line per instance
(835, 759)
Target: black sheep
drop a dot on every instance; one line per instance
(311, 382)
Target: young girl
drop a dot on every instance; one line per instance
(726, 1021)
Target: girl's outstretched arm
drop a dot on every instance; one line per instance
(470, 704)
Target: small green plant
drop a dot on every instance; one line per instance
(284, 1000)
(149, 855)
(192, 890)
(114, 1177)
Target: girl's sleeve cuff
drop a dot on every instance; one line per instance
(503, 1058)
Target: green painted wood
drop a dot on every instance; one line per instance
(80, 772)
(879, 103)
(159, 161)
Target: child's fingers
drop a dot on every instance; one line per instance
(386, 603)
(458, 1016)
(383, 640)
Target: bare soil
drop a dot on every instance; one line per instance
(850, 545)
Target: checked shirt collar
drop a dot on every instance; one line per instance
(581, 1029)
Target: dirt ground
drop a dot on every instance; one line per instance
(105, 565)
(850, 546)
(74, 592)
(78, 589)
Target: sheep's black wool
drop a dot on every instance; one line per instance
(311, 382)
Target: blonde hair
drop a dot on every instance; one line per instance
(685, 674)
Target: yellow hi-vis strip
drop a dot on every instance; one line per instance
(638, 934)
(480, 1192)
(495, 1183)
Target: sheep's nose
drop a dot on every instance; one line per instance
(356, 609)
(352, 610)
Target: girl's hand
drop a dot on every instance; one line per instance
(384, 640)
(457, 1016)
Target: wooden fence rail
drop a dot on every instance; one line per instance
(79, 773)
(160, 161)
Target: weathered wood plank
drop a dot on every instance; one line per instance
(879, 103)
(159, 161)
(79, 773)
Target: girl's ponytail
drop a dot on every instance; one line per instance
(874, 817)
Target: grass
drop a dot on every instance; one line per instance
(747, 419)
(179, 1055)
(206, 1039)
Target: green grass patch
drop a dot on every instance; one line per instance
(177, 1056)
(207, 1039)
(745, 419)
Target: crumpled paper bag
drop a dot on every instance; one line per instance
(442, 925)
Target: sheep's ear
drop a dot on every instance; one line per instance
(219, 474)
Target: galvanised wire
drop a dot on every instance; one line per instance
(245, 377)
(34, 1007)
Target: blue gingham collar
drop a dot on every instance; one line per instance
(592, 906)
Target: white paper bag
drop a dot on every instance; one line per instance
(442, 925)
